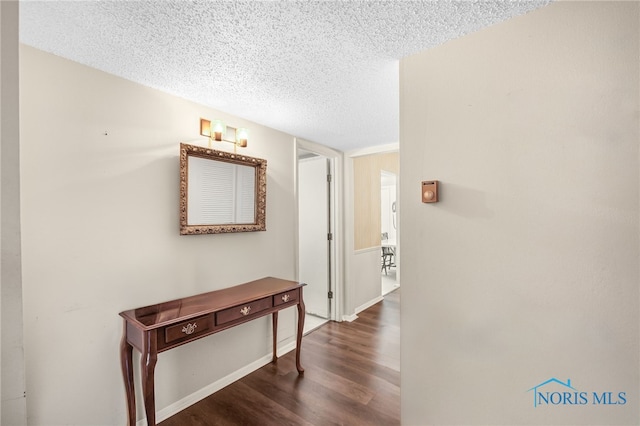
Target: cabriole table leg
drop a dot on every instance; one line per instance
(126, 359)
(147, 368)
(274, 318)
(301, 313)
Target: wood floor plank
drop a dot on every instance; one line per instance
(351, 365)
(352, 377)
(352, 390)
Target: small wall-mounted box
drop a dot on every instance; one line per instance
(430, 191)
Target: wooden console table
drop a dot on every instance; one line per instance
(158, 328)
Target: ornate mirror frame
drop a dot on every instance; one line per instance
(260, 204)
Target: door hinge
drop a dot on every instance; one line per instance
(328, 178)
(330, 236)
(330, 294)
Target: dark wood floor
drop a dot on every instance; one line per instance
(352, 377)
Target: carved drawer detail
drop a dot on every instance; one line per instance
(189, 328)
(243, 311)
(288, 297)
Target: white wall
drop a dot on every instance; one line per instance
(363, 286)
(528, 267)
(367, 280)
(13, 407)
(362, 267)
(100, 232)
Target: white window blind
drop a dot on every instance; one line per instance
(220, 193)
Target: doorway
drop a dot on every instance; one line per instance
(389, 232)
(315, 235)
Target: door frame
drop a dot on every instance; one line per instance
(335, 219)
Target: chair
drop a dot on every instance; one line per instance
(387, 259)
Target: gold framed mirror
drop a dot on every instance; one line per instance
(221, 192)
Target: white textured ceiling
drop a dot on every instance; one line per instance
(326, 71)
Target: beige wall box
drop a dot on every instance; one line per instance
(429, 191)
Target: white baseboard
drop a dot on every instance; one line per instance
(354, 316)
(369, 304)
(349, 318)
(200, 394)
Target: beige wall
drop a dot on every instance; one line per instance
(100, 235)
(366, 197)
(528, 267)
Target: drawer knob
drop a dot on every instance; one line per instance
(286, 298)
(189, 328)
(245, 310)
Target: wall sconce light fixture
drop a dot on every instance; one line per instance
(218, 131)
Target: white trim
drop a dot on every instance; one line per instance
(367, 250)
(350, 318)
(317, 148)
(337, 259)
(214, 387)
(369, 304)
(378, 149)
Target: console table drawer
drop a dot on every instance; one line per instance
(282, 298)
(242, 311)
(190, 328)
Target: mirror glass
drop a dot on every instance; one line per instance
(221, 192)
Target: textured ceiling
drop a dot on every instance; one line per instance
(326, 71)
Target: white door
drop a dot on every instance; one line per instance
(313, 210)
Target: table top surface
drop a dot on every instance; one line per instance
(161, 314)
